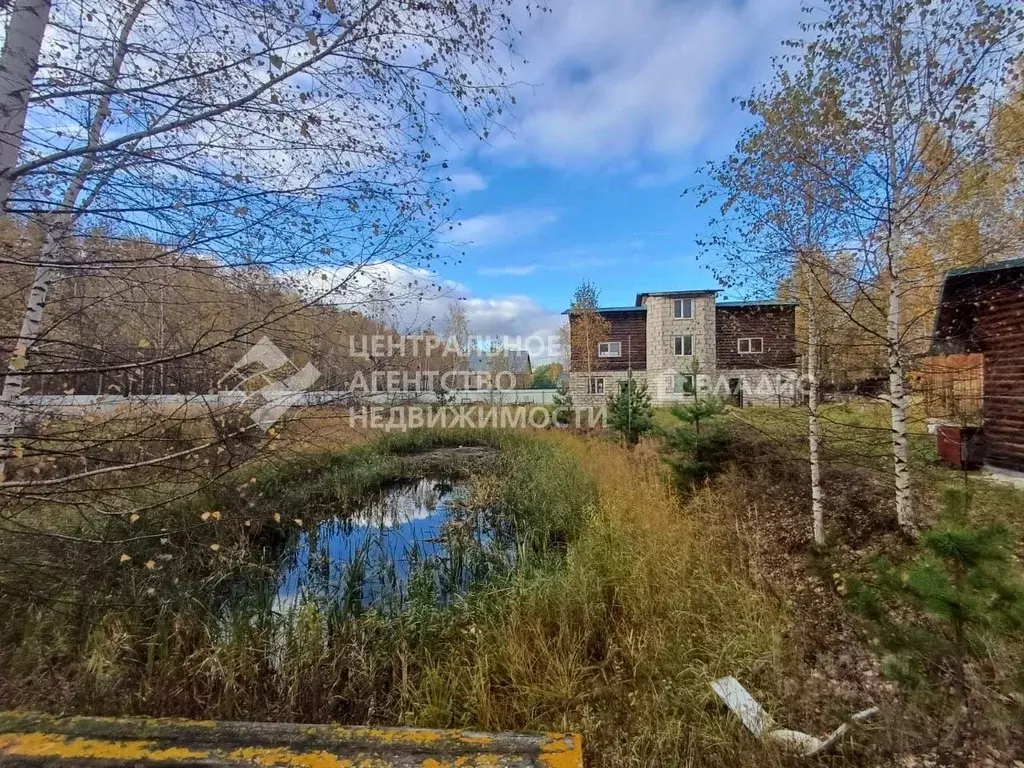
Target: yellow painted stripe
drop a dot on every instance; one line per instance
(563, 751)
(50, 745)
(45, 745)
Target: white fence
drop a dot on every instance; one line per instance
(78, 404)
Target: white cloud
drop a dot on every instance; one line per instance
(468, 181)
(491, 228)
(413, 298)
(629, 84)
(510, 271)
(516, 317)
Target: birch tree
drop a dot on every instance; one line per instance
(778, 222)
(18, 64)
(587, 328)
(56, 228)
(195, 176)
(912, 76)
(232, 135)
(456, 327)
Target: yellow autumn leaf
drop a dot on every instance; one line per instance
(151, 564)
(277, 517)
(215, 547)
(205, 516)
(19, 362)
(133, 518)
(298, 521)
(144, 343)
(215, 515)
(125, 558)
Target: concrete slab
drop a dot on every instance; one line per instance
(1004, 476)
(98, 742)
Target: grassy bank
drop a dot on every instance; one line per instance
(632, 605)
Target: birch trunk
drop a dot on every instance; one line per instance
(898, 403)
(11, 415)
(18, 65)
(57, 229)
(813, 423)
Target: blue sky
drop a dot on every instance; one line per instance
(622, 100)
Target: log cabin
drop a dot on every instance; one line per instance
(981, 311)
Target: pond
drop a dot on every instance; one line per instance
(418, 539)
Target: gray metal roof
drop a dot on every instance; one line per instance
(614, 309)
(643, 307)
(768, 303)
(993, 267)
(677, 294)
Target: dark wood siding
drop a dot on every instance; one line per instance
(999, 331)
(627, 327)
(775, 325)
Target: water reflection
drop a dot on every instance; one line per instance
(413, 540)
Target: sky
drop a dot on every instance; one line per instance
(618, 104)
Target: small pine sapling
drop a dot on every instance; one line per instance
(563, 405)
(696, 455)
(943, 611)
(703, 406)
(630, 412)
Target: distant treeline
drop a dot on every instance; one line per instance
(148, 323)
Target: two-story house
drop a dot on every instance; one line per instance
(679, 342)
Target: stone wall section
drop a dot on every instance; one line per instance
(663, 328)
(612, 379)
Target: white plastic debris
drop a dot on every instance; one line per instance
(757, 721)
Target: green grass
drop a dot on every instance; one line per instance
(856, 435)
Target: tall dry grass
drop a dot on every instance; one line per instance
(621, 644)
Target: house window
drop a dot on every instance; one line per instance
(749, 346)
(683, 384)
(684, 345)
(609, 349)
(595, 386)
(683, 309)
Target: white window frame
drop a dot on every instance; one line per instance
(595, 385)
(607, 349)
(750, 345)
(684, 377)
(682, 345)
(679, 307)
